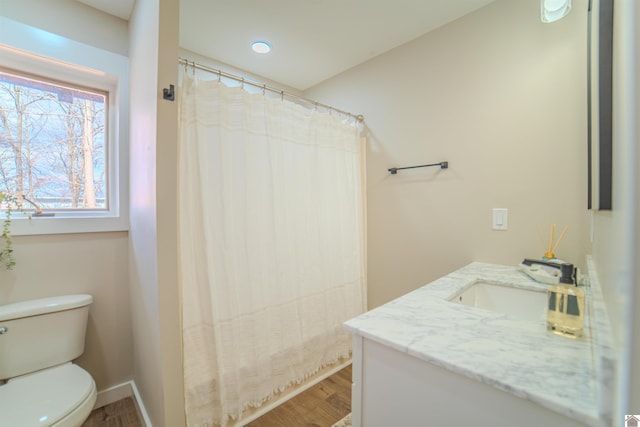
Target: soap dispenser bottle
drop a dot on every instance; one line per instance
(565, 314)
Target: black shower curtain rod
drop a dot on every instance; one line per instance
(282, 93)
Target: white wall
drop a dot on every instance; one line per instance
(500, 96)
(616, 245)
(633, 354)
(143, 263)
(167, 178)
(71, 19)
(153, 224)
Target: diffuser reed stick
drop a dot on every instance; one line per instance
(564, 231)
(550, 254)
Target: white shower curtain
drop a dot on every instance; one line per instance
(272, 245)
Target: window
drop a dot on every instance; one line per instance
(64, 129)
(53, 143)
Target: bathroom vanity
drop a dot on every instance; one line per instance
(440, 356)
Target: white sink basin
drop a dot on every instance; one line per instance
(523, 304)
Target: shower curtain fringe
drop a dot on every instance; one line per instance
(284, 388)
(265, 87)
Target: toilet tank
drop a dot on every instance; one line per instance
(41, 333)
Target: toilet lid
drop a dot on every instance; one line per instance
(42, 398)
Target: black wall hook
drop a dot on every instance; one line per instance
(169, 94)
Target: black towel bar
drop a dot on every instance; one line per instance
(443, 165)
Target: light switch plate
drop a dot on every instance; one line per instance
(500, 216)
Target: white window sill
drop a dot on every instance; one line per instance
(65, 225)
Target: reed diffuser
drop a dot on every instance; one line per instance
(565, 313)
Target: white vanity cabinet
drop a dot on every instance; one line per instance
(421, 360)
(391, 388)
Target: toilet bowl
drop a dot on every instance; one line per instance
(41, 386)
(60, 396)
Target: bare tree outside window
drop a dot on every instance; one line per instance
(53, 143)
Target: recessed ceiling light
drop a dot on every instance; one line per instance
(261, 47)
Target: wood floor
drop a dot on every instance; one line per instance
(117, 414)
(320, 406)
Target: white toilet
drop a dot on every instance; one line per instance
(38, 341)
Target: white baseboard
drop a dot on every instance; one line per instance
(113, 394)
(142, 412)
(119, 392)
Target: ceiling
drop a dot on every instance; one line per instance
(120, 8)
(312, 40)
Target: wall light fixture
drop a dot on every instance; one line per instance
(552, 10)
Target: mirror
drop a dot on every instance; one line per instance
(600, 62)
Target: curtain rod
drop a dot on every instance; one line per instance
(186, 62)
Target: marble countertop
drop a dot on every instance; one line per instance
(517, 356)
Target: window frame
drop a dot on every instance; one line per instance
(22, 49)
